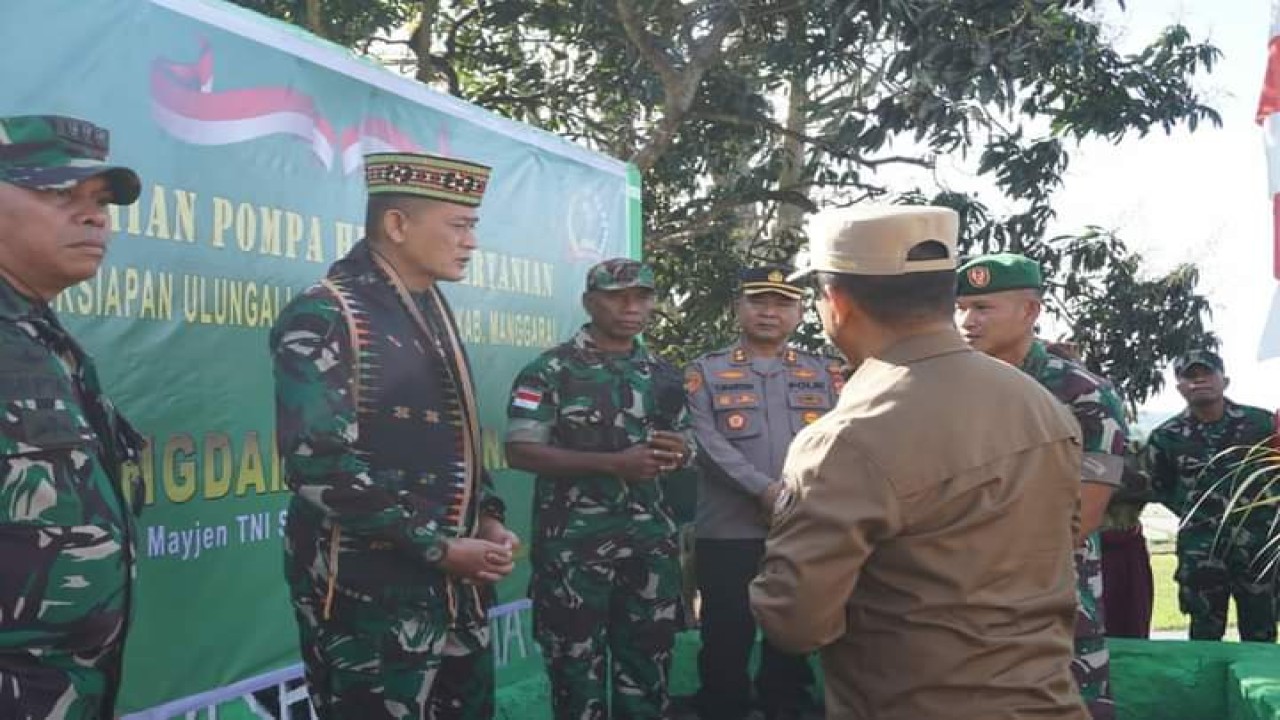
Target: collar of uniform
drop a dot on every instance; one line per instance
(738, 355)
(922, 347)
(584, 343)
(1230, 410)
(1037, 356)
(14, 305)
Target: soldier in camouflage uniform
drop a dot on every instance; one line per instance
(394, 536)
(748, 401)
(1198, 461)
(66, 527)
(598, 418)
(999, 303)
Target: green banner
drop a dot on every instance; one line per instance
(248, 135)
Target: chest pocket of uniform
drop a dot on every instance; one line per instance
(738, 414)
(807, 405)
(587, 415)
(44, 451)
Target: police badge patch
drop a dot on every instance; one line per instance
(692, 381)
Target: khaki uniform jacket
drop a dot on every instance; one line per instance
(924, 541)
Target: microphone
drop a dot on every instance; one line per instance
(669, 399)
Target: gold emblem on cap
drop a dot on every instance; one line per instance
(979, 276)
(776, 276)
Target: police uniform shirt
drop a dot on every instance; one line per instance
(745, 413)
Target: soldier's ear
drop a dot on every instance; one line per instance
(1033, 306)
(1226, 382)
(840, 306)
(394, 224)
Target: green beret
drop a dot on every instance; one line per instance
(999, 272)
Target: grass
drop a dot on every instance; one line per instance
(1165, 614)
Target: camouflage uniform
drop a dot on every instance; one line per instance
(606, 572)
(1216, 555)
(66, 528)
(1098, 409)
(362, 386)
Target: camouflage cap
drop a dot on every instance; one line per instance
(988, 274)
(52, 152)
(620, 274)
(1207, 358)
(768, 279)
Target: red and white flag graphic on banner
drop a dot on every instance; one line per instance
(185, 105)
(1269, 118)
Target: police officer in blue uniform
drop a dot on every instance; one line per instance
(748, 401)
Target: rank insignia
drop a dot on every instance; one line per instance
(692, 381)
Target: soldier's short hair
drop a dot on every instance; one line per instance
(381, 203)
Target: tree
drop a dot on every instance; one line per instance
(352, 23)
(745, 117)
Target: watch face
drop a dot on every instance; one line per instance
(435, 553)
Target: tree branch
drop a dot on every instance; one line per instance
(823, 144)
(679, 85)
(648, 45)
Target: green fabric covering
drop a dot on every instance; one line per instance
(235, 710)
(1153, 680)
(1183, 680)
(1254, 690)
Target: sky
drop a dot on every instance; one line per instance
(1197, 197)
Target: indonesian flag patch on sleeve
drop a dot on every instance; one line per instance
(526, 398)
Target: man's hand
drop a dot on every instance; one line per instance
(640, 462)
(673, 445)
(769, 497)
(494, 531)
(476, 560)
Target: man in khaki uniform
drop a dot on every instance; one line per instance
(923, 539)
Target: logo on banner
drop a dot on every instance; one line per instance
(588, 226)
(186, 106)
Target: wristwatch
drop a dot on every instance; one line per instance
(436, 551)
